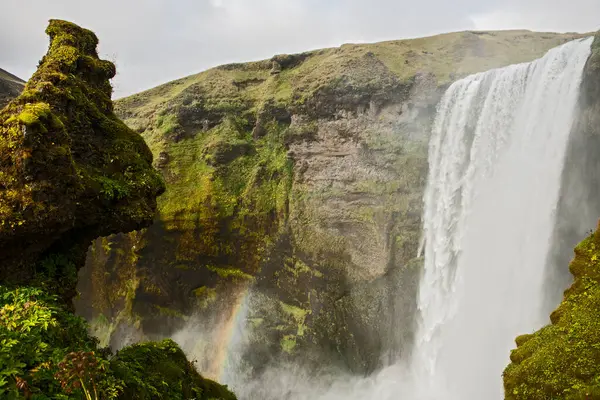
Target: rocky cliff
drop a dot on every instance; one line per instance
(561, 359)
(294, 189)
(71, 171)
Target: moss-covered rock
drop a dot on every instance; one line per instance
(70, 170)
(561, 361)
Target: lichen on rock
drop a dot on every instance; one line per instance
(70, 170)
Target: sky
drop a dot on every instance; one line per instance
(156, 41)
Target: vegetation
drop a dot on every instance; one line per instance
(46, 353)
(161, 371)
(561, 360)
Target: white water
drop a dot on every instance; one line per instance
(496, 157)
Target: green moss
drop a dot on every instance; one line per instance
(561, 361)
(167, 123)
(288, 343)
(169, 312)
(231, 273)
(34, 113)
(206, 296)
(161, 371)
(295, 312)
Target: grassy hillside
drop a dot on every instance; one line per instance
(362, 66)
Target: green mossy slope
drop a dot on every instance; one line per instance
(562, 360)
(158, 371)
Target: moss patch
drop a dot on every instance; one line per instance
(561, 360)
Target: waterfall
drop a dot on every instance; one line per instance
(495, 161)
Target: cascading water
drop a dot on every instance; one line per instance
(496, 157)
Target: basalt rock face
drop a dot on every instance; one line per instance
(70, 170)
(10, 87)
(561, 359)
(294, 192)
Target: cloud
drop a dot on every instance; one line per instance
(154, 41)
(542, 15)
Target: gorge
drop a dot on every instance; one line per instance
(372, 221)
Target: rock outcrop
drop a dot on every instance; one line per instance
(71, 171)
(300, 177)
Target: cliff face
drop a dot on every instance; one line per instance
(561, 360)
(71, 171)
(10, 87)
(301, 177)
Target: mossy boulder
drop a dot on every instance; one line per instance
(70, 170)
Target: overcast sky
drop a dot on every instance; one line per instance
(155, 41)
